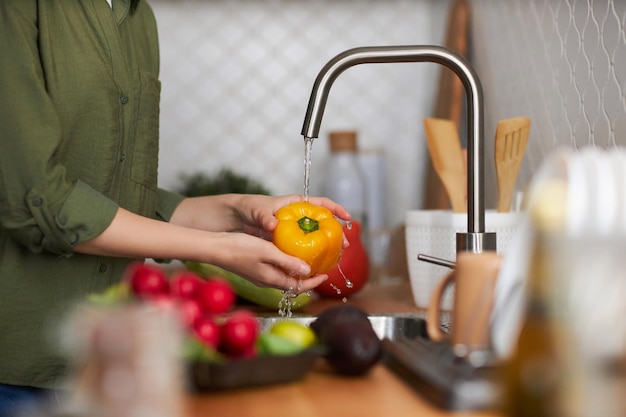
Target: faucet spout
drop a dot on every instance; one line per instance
(475, 240)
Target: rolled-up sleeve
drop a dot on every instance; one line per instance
(81, 216)
(167, 201)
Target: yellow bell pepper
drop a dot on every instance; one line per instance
(310, 233)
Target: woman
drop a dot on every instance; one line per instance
(79, 114)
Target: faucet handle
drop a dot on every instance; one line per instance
(436, 261)
(472, 242)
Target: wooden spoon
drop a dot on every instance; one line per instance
(447, 157)
(511, 139)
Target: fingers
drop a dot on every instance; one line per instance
(337, 209)
(299, 285)
(277, 278)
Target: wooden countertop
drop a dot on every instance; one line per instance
(324, 394)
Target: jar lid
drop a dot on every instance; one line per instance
(343, 140)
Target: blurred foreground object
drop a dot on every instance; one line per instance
(570, 355)
(126, 362)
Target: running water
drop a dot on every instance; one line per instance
(308, 152)
(286, 303)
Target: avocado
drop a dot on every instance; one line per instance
(353, 346)
(336, 314)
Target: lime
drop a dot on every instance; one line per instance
(271, 344)
(300, 334)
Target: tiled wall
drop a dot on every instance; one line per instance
(561, 62)
(237, 75)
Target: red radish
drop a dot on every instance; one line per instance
(239, 333)
(247, 353)
(207, 331)
(185, 284)
(147, 281)
(216, 296)
(190, 310)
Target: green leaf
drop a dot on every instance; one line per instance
(194, 350)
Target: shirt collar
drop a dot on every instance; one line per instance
(120, 9)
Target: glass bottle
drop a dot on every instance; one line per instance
(531, 375)
(344, 183)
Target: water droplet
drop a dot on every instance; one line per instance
(344, 299)
(285, 304)
(349, 283)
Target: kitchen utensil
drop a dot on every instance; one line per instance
(448, 160)
(474, 278)
(450, 96)
(511, 140)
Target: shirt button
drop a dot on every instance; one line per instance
(37, 201)
(122, 157)
(124, 99)
(103, 268)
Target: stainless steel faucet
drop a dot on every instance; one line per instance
(476, 239)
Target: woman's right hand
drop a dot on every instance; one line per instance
(261, 262)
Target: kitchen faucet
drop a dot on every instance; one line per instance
(475, 239)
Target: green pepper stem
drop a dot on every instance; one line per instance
(308, 225)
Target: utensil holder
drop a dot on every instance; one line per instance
(433, 232)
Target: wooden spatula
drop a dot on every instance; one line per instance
(448, 160)
(450, 95)
(511, 140)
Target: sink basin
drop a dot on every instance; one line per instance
(390, 326)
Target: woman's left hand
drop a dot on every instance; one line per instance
(258, 213)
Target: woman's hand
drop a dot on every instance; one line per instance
(262, 263)
(249, 213)
(257, 213)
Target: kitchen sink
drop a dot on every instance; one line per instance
(386, 326)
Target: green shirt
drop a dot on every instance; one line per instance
(79, 121)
